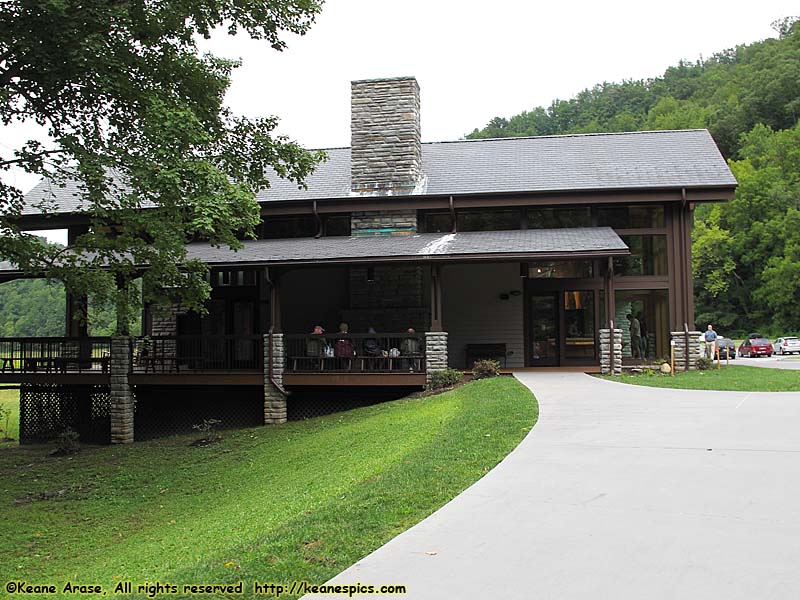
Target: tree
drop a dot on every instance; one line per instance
(136, 119)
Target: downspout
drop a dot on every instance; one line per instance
(270, 371)
(318, 219)
(454, 228)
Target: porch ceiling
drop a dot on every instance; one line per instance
(582, 242)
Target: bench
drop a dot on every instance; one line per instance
(485, 351)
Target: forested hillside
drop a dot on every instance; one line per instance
(746, 253)
(35, 307)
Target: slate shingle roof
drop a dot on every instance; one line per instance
(600, 241)
(610, 161)
(422, 247)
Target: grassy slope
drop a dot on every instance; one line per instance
(730, 378)
(9, 400)
(300, 501)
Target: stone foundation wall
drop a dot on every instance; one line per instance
(695, 350)
(274, 400)
(121, 397)
(435, 352)
(607, 342)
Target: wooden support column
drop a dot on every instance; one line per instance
(436, 298)
(611, 302)
(275, 300)
(688, 215)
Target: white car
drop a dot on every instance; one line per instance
(786, 345)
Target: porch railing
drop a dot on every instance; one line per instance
(355, 353)
(197, 353)
(55, 355)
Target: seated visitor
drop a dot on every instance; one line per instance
(343, 348)
(410, 346)
(371, 345)
(315, 343)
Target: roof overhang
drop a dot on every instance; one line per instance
(517, 245)
(527, 244)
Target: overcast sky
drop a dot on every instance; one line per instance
(476, 60)
(473, 60)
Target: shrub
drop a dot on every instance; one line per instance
(443, 379)
(67, 442)
(209, 430)
(704, 363)
(485, 368)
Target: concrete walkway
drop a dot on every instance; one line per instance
(619, 492)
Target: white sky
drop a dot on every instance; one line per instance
(473, 60)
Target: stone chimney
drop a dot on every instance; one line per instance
(386, 149)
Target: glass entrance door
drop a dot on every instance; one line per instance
(543, 325)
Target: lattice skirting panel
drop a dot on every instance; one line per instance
(46, 410)
(171, 410)
(310, 402)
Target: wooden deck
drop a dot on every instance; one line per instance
(354, 379)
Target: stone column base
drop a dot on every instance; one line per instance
(435, 353)
(607, 343)
(274, 400)
(695, 350)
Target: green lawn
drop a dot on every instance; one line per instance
(9, 400)
(300, 501)
(728, 378)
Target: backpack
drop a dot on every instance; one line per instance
(344, 348)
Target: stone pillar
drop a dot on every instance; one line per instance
(122, 405)
(435, 352)
(694, 352)
(274, 400)
(607, 343)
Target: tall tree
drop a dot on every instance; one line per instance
(136, 125)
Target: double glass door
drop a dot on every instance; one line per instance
(561, 327)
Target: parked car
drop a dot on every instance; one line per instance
(786, 345)
(755, 347)
(756, 336)
(727, 349)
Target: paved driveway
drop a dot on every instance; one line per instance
(773, 362)
(620, 492)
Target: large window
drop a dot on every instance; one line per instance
(502, 219)
(555, 218)
(273, 228)
(287, 227)
(645, 335)
(435, 222)
(630, 217)
(488, 220)
(648, 256)
(563, 269)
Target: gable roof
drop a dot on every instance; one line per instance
(588, 162)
